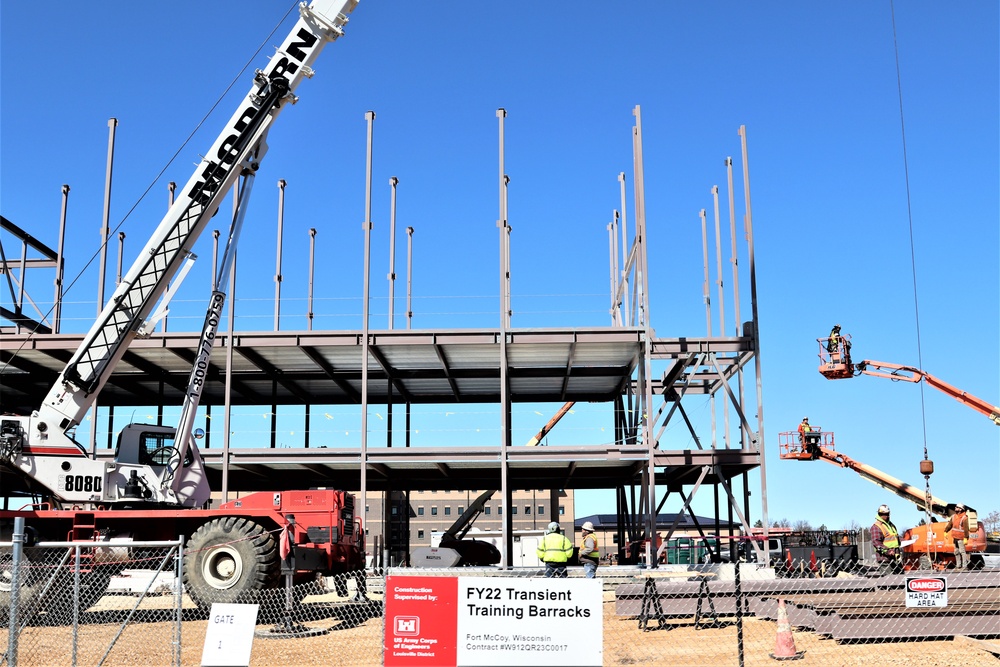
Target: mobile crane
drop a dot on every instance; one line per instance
(156, 488)
(923, 545)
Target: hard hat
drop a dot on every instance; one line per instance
(805, 419)
(587, 526)
(883, 509)
(836, 326)
(553, 528)
(960, 507)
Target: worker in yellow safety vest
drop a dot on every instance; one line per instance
(554, 550)
(590, 555)
(885, 541)
(958, 529)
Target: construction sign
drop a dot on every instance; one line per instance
(926, 592)
(466, 621)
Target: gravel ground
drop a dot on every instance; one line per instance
(358, 644)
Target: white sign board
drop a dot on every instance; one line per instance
(537, 621)
(926, 592)
(229, 636)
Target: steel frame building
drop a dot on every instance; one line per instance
(642, 378)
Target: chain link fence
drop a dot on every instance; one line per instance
(132, 609)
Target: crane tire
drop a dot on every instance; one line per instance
(230, 560)
(30, 586)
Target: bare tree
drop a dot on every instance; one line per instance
(802, 526)
(992, 521)
(853, 525)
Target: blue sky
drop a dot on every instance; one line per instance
(815, 84)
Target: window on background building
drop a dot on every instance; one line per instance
(486, 510)
(562, 510)
(461, 509)
(395, 510)
(513, 510)
(420, 534)
(499, 510)
(434, 511)
(447, 510)
(614, 539)
(541, 510)
(368, 508)
(527, 510)
(420, 511)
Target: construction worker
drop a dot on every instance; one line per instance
(809, 444)
(885, 541)
(554, 550)
(838, 347)
(958, 529)
(590, 555)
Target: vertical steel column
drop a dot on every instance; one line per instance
(230, 342)
(57, 319)
(171, 187)
(508, 525)
(642, 280)
(393, 182)
(409, 276)
(625, 249)
(706, 297)
(392, 284)
(105, 232)
(277, 269)
(312, 274)
(370, 117)
(309, 316)
(756, 327)
(121, 249)
(722, 312)
(613, 265)
(105, 220)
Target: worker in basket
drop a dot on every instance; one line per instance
(838, 346)
(808, 438)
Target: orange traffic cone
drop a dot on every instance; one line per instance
(784, 645)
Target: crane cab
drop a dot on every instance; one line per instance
(835, 357)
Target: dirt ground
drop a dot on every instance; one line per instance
(355, 641)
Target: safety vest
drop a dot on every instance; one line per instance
(890, 538)
(834, 342)
(804, 428)
(554, 548)
(594, 555)
(957, 532)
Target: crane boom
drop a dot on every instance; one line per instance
(40, 446)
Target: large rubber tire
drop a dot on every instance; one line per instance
(30, 584)
(230, 560)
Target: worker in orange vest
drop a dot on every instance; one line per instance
(809, 445)
(958, 529)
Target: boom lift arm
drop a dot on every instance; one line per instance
(40, 446)
(836, 364)
(820, 445)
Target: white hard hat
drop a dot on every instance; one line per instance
(587, 526)
(553, 528)
(883, 509)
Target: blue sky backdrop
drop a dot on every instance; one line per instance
(814, 83)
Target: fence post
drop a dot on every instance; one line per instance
(15, 585)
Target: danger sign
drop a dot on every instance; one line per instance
(926, 592)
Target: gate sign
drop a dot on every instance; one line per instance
(485, 621)
(926, 592)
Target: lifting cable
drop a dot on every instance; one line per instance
(156, 179)
(913, 262)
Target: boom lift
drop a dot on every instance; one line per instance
(156, 489)
(923, 545)
(836, 364)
